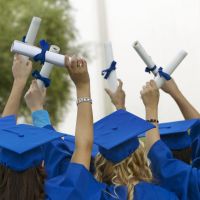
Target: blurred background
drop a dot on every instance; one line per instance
(81, 27)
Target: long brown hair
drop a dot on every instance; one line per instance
(132, 169)
(26, 185)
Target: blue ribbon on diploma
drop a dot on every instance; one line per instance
(24, 39)
(149, 70)
(106, 73)
(36, 74)
(41, 56)
(163, 74)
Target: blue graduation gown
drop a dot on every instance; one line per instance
(77, 183)
(195, 139)
(56, 155)
(149, 191)
(173, 174)
(196, 153)
(8, 121)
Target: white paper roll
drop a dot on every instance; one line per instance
(31, 51)
(32, 32)
(111, 82)
(169, 69)
(47, 67)
(144, 56)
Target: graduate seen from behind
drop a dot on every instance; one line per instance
(121, 168)
(22, 147)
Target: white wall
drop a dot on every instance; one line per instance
(163, 27)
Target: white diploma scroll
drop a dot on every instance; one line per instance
(47, 67)
(111, 82)
(30, 51)
(32, 32)
(144, 56)
(169, 69)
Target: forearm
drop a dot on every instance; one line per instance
(153, 135)
(13, 103)
(188, 111)
(84, 130)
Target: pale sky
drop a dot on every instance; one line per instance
(163, 27)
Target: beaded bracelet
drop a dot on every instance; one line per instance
(152, 120)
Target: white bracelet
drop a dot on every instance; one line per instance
(83, 100)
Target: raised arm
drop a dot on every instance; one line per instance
(84, 125)
(188, 111)
(118, 97)
(21, 70)
(35, 98)
(150, 97)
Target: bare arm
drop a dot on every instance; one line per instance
(84, 124)
(21, 71)
(188, 111)
(150, 97)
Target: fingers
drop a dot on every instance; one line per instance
(29, 63)
(67, 61)
(120, 84)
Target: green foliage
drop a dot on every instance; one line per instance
(56, 27)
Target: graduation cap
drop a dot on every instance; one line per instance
(176, 135)
(21, 145)
(117, 135)
(7, 121)
(70, 142)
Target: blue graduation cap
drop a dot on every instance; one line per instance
(21, 145)
(7, 121)
(70, 142)
(117, 134)
(176, 135)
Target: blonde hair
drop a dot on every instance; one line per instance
(127, 172)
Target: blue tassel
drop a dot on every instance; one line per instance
(45, 80)
(106, 73)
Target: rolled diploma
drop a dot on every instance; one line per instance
(144, 56)
(32, 31)
(169, 69)
(31, 51)
(47, 67)
(112, 79)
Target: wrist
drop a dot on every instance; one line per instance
(20, 82)
(83, 91)
(151, 113)
(36, 108)
(120, 107)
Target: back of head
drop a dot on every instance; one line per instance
(25, 185)
(131, 170)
